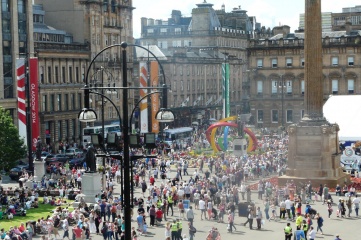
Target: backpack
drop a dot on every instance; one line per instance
(193, 230)
(103, 230)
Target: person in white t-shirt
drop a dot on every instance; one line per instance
(288, 207)
(202, 207)
(356, 204)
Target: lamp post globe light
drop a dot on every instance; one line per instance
(89, 115)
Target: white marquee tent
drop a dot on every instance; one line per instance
(345, 110)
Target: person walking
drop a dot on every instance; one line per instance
(259, 218)
(167, 232)
(190, 215)
(192, 231)
(319, 222)
(356, 204)
(266, 208)
(312, 234)
(231, 222)
(202, 207)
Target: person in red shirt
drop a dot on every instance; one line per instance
(159, 215)
(77, 232)
(151, 180)
(22, 227)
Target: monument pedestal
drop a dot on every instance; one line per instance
(39, 170)
(91, 185)
(313, 155)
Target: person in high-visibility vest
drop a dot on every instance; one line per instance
(170, 203)
(174, 230)
(288, 231)
(179, 222)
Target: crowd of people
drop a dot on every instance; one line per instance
(217, 188)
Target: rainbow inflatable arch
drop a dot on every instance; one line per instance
(211, 134)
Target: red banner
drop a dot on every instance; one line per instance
(34, 101)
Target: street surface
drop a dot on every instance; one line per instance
(345, 227)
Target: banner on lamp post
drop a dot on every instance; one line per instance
(34, 101)
(225, 81)
(143, 106)
(154, 76)
(20, 76)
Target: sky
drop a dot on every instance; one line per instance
(269, 13)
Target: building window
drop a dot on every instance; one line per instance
(42, 75)
(302, 113)
(181, 85)
(334, 86)
(56, 74)
(334, 61)
(80, 101)
(58, 99)
(150, 30)
(350, 61)
(44, 103)
(274, 62)
(163, 30)
(259, 87)
(289, 116)
(188, 85)
(5, 6)
(71, 74)
(177, 30)
(289, 87)
(351, 86)
(63, 74)
(302, 62)
(110, 112)
(72, 101)
(259, 63)
(77, 74)
(274, 116)
(21, 6)
(52, 102)
(288, 62)
(66, 129)
(274, 87)
(260, 116)
(66, 102)
(303, 87)
(49, 74)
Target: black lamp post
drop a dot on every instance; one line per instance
(89, 115)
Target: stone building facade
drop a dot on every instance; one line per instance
(277, 74)
(195, 48)
(98, 24)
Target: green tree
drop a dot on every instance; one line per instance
(12, 147)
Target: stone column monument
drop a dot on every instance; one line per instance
(313, 143)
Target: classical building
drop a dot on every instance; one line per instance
(97, 24)
(277, 73)
(16, 42)
(62, 65)
(195, 48)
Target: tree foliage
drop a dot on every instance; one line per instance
(12, 147)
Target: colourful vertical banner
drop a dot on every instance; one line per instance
(34, 101)
(154, 77)
(225, 81)
(143, 106)
(20, 77)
